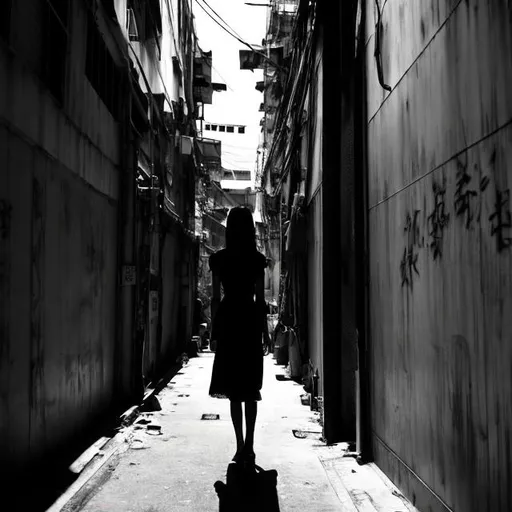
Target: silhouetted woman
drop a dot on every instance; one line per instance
(239, 321)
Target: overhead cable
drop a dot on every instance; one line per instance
(293, 101)
(222, 19)
(234, 35)
(225, 81)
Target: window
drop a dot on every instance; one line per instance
(5, 19)
(224, 128)
(144, 20)
(243, 175)
(55, 46)
(100, 68)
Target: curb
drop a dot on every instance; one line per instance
(77, 493)
(98, 455)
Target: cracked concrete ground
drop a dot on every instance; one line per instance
(173, 457)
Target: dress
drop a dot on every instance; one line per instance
(238, 327)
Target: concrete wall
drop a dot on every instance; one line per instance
(440, 281)
(58, 198)
(315, 288)
(314, 196)
(170, 295)
(165, 68)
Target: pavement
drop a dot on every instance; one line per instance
(169, 460)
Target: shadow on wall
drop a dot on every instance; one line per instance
(248, 490)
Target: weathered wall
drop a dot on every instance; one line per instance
(315, 291)
(58, 251)
(170, 295)
(440, 161)
(314, 194)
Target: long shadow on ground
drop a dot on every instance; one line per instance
(248, 490)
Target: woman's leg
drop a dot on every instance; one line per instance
(251, 410)
(236, 418)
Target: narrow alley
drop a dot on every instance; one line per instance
(171, 459)
(273, 231)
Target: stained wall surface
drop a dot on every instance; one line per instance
(58, 250)
(314, 202)
(440, 167)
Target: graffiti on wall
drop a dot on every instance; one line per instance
(500, 220)
(438, 219)
(464, 197)
(469, 198)
(409, 262)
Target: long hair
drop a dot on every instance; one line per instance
(240, 231)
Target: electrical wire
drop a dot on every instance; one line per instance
(284, 106)
(222, 19)
(239, 39)
(146, 82)
(293, 101)
(225, 81)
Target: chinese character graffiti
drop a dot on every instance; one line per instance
(484, 182)
(472, 201)
(438, 220)
(501, 221)
(463, 194)
(409, 262)
(412, 228)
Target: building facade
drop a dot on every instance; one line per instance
(439, 231)
(98, 255)
(401, 172)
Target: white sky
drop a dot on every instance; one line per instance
(240, 103)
